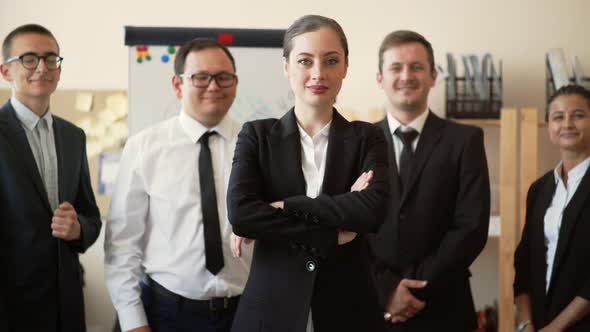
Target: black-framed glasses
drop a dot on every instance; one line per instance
(202, 80)
(31, 60)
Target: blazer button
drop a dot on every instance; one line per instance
(315, 220)
(310, 266)
(402, 217)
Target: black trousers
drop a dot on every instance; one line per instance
(169, 312)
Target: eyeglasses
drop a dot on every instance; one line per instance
(31, 60)
(202, 80)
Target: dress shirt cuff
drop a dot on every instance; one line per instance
(132, 317)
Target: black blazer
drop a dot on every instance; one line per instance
(571, 265)
(438, 226)
(40, 282)
(297, 262)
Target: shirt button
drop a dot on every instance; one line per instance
(310, 266)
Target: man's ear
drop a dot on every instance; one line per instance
(379, 79)
(177, 86)
(5, 72)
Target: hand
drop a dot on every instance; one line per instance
(402, 304)
(363, 181)
(141, 329)
(64, 224)
(345, 236)
(278, 205)
(548, 328)
(235, 242)
(531, 328)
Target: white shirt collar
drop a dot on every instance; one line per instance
(417, 124)
(575, 173)
(325, 131)
(194, 129)
(27, 117)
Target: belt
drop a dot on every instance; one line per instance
(213, 304)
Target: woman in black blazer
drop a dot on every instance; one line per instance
(552, 261)
(292, 189)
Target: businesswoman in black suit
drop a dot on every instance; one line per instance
(290, 190)
(552, 261)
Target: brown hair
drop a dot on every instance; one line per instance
(401, 37)
(310, 23)
(23, 30)
(198, 44)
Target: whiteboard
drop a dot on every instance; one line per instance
(263, 91)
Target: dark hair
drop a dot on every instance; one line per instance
(22, 30)
(401, 37)
(310, 23)
(568, 90)
(198, 44)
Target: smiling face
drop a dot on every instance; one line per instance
(406, 77)
(30, 86)
(315, 68)
(207, 105)
(569, 123)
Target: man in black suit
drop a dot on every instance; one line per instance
(48, 214)
(440, 199)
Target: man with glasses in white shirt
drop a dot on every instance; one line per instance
(48, 214)
(167, 247)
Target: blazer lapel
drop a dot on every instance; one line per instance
(394, 176)
(60, 141)
(428, 139)
(340, 145)
(570, 218)
(286, 153)
(538, 218)
(17, 138)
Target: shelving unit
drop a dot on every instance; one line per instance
(504, 226)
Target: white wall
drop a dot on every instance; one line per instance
(518, 32)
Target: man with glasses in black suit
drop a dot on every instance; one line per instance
(48, 214)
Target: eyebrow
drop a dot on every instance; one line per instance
(575, 110)
(329, 53)
(396, 63)
(40, 54)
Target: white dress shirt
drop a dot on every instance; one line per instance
(29, 121)
(554, 213)
(155, 222)
(313, 163)
(398, 145)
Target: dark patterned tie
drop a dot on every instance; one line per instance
(405, 159)
(213, 250)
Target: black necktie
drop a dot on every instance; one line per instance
(405, 159)
(213, 250)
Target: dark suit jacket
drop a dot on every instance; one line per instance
(438, 226)
(297, 262)
(40, 282)
(571, 266)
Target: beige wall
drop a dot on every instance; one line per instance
(518, 32)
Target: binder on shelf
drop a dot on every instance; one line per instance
(557, 75)
(478, 93)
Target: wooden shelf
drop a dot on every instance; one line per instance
(479, 122)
